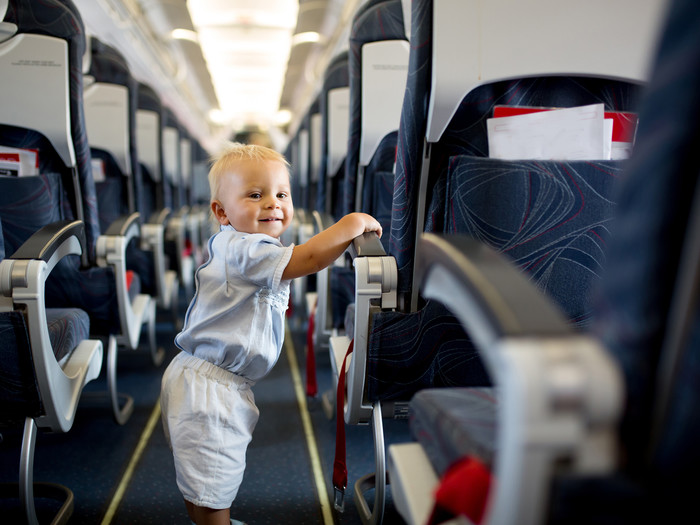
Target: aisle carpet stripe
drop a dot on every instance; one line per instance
(319, 479)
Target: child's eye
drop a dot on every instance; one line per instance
(255, 195)
(282, 195)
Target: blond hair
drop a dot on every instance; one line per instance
(235, 153)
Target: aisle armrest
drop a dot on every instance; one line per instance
(560, 392)
(111, 251)
(375, 289)
(153, 240)
(22, 281)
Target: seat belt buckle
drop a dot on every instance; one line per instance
(339, 499)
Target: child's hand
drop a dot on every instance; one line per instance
(370, 223)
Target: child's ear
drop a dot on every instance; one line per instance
(219, 212)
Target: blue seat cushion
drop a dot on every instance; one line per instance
(451, 423)
(19, 392)
(67, 328)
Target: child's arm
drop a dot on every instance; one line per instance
(323, 248)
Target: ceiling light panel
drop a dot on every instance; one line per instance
(246, 45)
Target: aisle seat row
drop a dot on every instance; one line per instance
(96, 184)
(552, 218)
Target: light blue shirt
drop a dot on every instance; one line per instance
(236, 318)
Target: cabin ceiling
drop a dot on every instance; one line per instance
(226, 65)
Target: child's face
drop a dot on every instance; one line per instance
(255, 197)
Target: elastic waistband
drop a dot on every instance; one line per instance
(212, 371)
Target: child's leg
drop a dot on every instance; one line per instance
(207, 516)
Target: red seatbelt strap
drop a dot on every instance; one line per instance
(463, 490)
(340, 469)
(129, 279)
(311, 385)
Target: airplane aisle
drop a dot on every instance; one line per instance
(125, 475)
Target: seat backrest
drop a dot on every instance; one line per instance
(185, 187)
(53, 30)
(171, 160)
(110, 96)
(551, 217)
(335, 100)
(377, 61)
(423, 151)
(314, 126)
(200, 170)
(305, 150)
(149, 137)
(300, 156)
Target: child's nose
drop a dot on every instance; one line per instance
(272, 202)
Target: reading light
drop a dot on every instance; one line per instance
(185, 34)
(283, 117)
(217, 116)
(246, 46)
(306, 37)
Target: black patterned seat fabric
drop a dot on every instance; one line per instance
(551, 217)
(28, 203)
(377, 20)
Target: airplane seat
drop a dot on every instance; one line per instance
(377, 63)
(194, 217)
(645, 322)
(97, 281)
(56, 19)
(176, 233)
(149, 124)
(302, 229)
(110, 96)
(309, 160)
(46, 360)
(377, 59)
(375, 90)
(109, 84)
(200, 188)
(148, 132)
(551, 217)
(390, 367)
(377, 186)
(315, 139)
(334, 115)
(335, 107)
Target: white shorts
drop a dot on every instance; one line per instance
(208, 416)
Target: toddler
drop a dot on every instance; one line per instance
(234, 326)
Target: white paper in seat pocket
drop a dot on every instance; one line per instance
(19, 162)
(565, 134)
